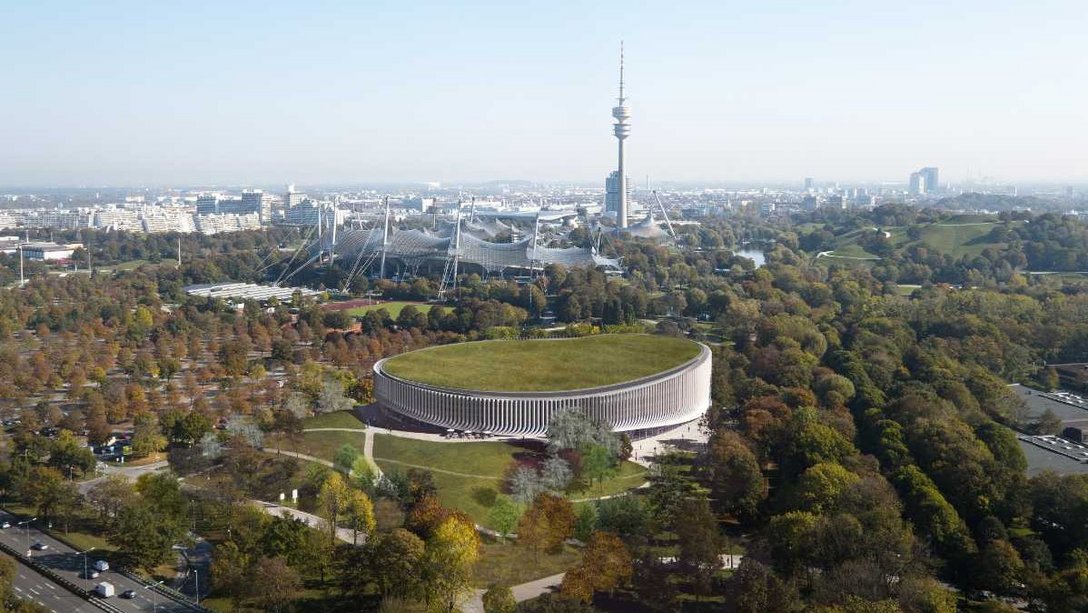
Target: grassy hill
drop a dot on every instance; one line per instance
(958, 236)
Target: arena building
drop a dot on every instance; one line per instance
(639, 384)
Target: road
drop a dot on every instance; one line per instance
(29, 585)
(66, 562)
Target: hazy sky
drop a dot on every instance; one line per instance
(189, 92)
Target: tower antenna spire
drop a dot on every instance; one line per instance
(621, 74)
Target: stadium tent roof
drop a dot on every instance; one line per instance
(413, 247)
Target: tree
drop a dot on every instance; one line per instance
(499, 599)
(274, 584)
(147, 439)
(547, 523)
(332, 501)
(397, 562)
(449, 557)
(757, 589)
(162, 491)
(345, 457)
(332, 397)
(230, 572)
(598, 463)
(999, 568)
(556, 474)
(625, 516)
(360, 515)
(737, 484)
(1048, 422)
(606, 564)
(362, 474)
(700, 543)
(504, 515)
(143, 536)
(69, 455)
(575, 429)
(46, 490)
(525, 484)
(112, 494)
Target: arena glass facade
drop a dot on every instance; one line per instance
(667, 399)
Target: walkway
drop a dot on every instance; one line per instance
(523, 592)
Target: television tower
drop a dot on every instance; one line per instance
(622, 129)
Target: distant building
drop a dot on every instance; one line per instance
(810, 184)
(423, 205)
(292, 198)
(49, 252)
(917, 184)
(933, 179)
(612, 192)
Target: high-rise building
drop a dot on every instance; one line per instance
(917, 184)
(207, 204)
(612, 192)
(292, 198)
(933, 179)
(810, 183)
(622, 129)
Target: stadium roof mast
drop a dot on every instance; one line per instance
(449, 274)
(385, 239)
(664, 214)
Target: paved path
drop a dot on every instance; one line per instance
(300, 456)
(359, 430)
(689, 436)
(523, 592)
(311, 520)
(131, 472)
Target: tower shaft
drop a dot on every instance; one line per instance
(621, 113)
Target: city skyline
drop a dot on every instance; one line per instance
(723, 94)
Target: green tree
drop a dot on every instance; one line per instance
(345, 457)
(504, 515)
(274, 584)
(143, 536)
(700, 543)
(499, 599)
(598, 463)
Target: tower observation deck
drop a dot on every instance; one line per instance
(622, 113)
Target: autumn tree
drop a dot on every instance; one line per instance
(450, 555)
(547, 523)
(606, 564)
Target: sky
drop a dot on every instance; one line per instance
(233, 92)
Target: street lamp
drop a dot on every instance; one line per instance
(27, 524)
(154, 605)
(189, 565)
(84, 554)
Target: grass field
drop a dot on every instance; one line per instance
(337, 419)
(543, 365)
(487, 460)
(394, 308)
(318, 444)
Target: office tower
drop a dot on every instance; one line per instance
(207, 204)
(292, 198)
(809, 184)
(933, 180)
(621, 113)
(612, 192)
(917, 184)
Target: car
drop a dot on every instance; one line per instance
(5, 525)
(128, 594)
(90, 574)
(40, 546)
(101, 565)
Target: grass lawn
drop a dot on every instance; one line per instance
(394, 308)
(488, 460)
(511, 564)
(318, 444)
(543, 365)
(337, 419)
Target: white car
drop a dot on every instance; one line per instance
(5, 525)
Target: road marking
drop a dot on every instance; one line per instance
(50, 586)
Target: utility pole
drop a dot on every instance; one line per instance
(179, 252)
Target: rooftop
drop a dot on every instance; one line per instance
(543, 365)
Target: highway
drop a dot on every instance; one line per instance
(65, 561)
(29, 585)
